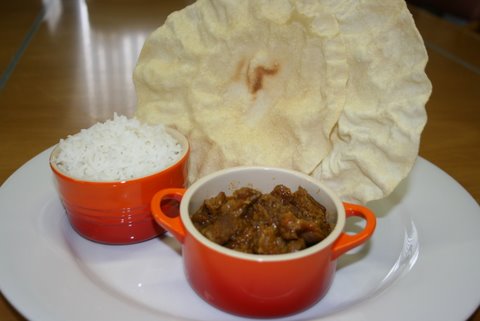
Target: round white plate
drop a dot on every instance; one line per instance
(422, 263)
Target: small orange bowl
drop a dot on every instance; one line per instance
(256, 285)
(118, 212)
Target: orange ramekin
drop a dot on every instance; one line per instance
(118, 212)
(260, 285)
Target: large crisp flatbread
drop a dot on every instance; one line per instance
(335, 89)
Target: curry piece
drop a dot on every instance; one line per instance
(252, 222)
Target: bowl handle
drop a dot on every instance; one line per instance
(347, 242)
(174, 224)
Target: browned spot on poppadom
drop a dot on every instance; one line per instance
(256, 83)
(238, 71)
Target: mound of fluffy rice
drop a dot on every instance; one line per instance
(117, 150)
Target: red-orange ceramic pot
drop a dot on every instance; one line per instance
(259, 285)
(118, 212)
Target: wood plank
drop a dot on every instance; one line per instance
(17, 19)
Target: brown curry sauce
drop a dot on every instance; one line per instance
(273, 223)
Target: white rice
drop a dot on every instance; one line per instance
(117, 150)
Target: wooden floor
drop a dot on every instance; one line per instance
(67, 64)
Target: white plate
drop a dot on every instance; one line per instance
(422, 263)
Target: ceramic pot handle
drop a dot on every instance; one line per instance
(174, 224)
(347, 242)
